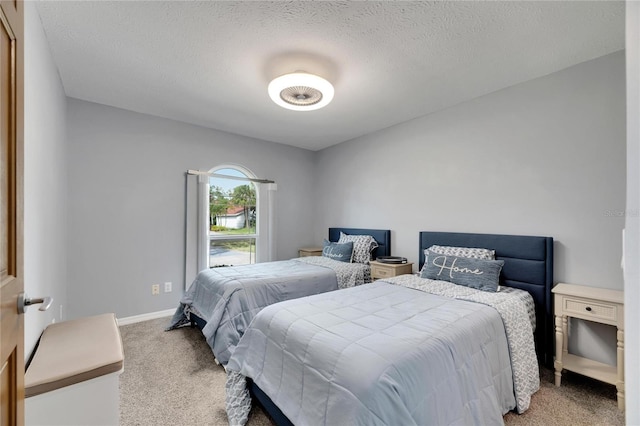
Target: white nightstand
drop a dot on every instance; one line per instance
(388, 270)
(310, 251)
(592, 304)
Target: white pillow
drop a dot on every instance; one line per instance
(363, 245)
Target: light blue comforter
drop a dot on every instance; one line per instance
(387, 354)
(229, 297)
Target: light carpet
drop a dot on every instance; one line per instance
(170, 378)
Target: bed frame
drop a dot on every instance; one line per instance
(382, 237)
(528, 265)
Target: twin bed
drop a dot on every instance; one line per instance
(406, 350)
(313, 348)
(223, 301)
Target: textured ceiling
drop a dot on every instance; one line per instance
(209, 63)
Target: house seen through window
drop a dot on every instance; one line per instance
(232, 219)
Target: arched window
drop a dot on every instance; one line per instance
(233, 216)
(234, 219)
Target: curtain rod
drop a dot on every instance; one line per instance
(198, 172)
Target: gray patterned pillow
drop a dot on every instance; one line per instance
(363, 245)
(480, 274)
(469, 252)
(337, 251)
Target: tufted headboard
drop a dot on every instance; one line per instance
(528, 265)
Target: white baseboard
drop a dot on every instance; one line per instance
(145, 317)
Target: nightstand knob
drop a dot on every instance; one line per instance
(588, 308)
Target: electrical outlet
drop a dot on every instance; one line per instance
(167, 287)
(155, 289)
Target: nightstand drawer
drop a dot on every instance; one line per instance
(378, 272)
(387, 270)
(596, 310)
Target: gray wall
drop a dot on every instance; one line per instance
(546, 157)
(45, 180)
(127, 202)
(632, 220)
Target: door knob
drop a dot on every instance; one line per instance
(24, 300)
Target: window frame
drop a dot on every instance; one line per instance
(248, 174)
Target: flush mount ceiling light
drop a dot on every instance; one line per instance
(301, 91)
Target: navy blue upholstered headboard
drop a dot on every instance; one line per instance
(528, 265)
(382, 237)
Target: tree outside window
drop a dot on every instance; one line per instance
(232, 219)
